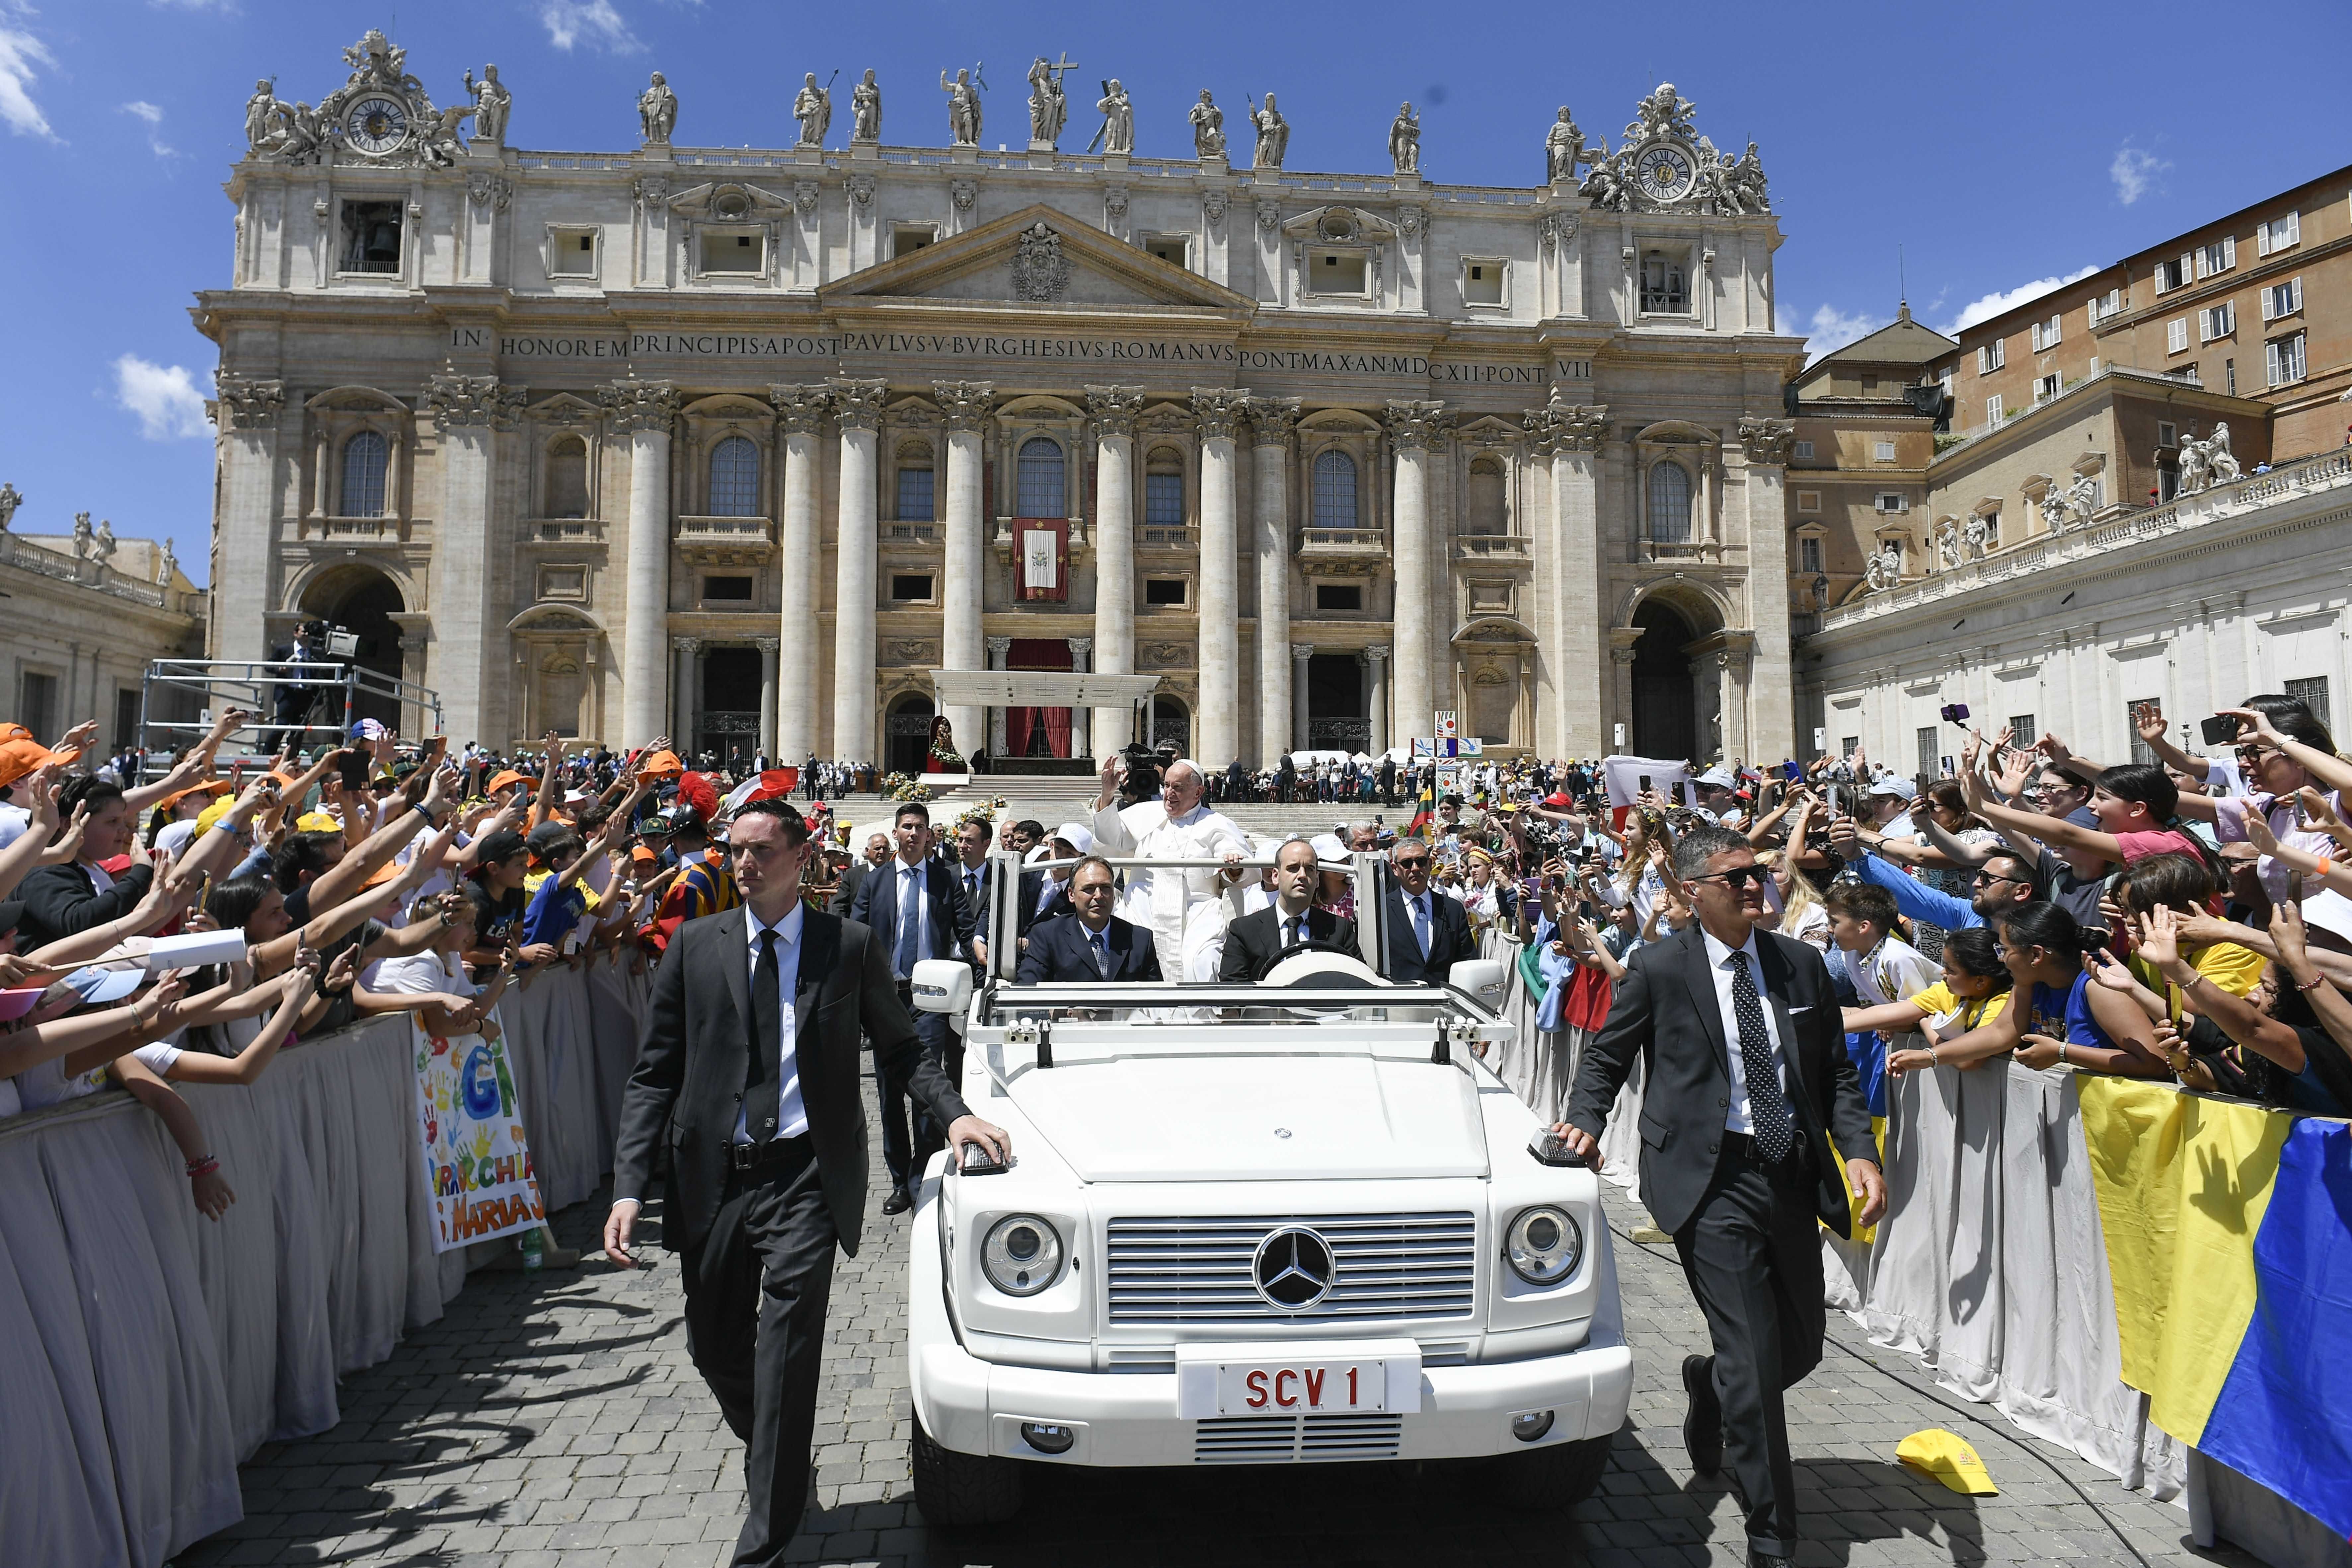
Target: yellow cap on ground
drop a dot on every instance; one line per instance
(1946, 1456)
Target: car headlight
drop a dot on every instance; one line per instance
(1021, 1255)
(1544, 1246)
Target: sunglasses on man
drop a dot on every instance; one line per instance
(1738, 876)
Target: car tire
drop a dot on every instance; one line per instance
(1558, 1477)
(953, 1488)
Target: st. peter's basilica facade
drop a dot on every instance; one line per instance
(743, 446)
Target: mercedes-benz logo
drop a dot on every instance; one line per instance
(1293, 1268)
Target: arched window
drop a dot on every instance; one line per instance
(1335, 491)
(1039, 482)
(1670, 504)
(735, 479)
(567, 477)
(1486, 508)
(364, 457)
(1164, 489)
(917, 494)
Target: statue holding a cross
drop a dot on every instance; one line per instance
(1048, 105)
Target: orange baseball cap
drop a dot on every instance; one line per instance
(21, 754)
(662, 765)
(212, 786)
(506, 779)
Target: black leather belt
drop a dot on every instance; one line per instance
(774, 1151)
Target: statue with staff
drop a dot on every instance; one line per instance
(813, 108)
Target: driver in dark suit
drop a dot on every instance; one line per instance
(1254, 942)
(1744, 1054)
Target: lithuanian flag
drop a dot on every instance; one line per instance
(2229, 1236)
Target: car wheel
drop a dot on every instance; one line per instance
(1558, 1477)
(954, 1489)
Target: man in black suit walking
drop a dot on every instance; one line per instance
(1427, 934)
(1092, 943)
(1747, 1080)
(915, 905)
(749, 1062)
(1254, 941)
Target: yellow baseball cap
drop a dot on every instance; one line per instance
(1946, 1456)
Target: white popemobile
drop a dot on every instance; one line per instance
(1293, 1221)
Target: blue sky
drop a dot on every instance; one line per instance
(2004, 147)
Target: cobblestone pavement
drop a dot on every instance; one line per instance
(557, 1421)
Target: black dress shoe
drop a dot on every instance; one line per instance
(898, 1202)
(1703, 1425)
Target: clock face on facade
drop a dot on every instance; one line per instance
(1665, 173)
(376, 125)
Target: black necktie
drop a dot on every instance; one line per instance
(767, 1043)
(1767, 1107)
(1297, 930)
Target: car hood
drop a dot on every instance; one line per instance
(1172, 1119)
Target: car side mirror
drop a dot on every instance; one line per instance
(941, 985)
(1482, 977)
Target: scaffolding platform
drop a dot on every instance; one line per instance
(306, 702)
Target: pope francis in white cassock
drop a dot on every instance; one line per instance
(1176, 826)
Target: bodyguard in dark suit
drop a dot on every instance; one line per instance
(915, 906)
(1091, 943)
(1254, 941)
(749, 1066)
(1747, 1080)
(1426, 932)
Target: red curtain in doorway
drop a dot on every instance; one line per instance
(1021, 725)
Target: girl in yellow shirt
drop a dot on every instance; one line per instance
(1975, 988)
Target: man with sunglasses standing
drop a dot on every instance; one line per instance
(1747, 1080)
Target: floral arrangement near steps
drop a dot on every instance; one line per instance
(900, 787)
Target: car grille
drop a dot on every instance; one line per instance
(1388, 1266)
(1282, 1439)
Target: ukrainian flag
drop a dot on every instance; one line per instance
(2229, 1236)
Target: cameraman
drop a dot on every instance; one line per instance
(290, 707)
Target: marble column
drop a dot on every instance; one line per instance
(1415, 429)
(767, 646)
(1113, 410)
(859, 407)
(469, 411)
(966, 405)
(1217, 733)
(1376, 666)
(1571, 699)
(1620, 710)
(1301, 722)
(1771, 701)
(247, 413)
(681, 725)
(1000, 649)
(1081, 652)
(799, 658)
(1279, 728)
(644, 410)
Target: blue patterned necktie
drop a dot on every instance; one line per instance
(1767, 1107)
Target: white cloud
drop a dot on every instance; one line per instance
(153, 116)
(2133, 171)
(569, 21)
(21, 56)
(163, 396)
(1992, 305)
(1834, 329)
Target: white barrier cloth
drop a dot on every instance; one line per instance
(477, 1168)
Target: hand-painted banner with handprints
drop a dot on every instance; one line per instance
(477, 1169)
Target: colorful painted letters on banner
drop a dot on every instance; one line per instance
(477, 1168)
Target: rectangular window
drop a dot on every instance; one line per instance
(37, 704)
(2141, 751)
(2045, 334)
(1849, 744)
(1163, 501)
(1884, 452)
(1164, 591)
(2218, 322)
(2283, 299)
(1809, 500)
(2173, 274)
(573, 251)
(1894, 501)
(2045, 388)
(917, 495)
(906, 238)
(2218, 256)
(2230, 375)
(1172, 248)
(1482, 282)
(1809, 554)
(1992, 412)
(1332, 596)
(2279, 233)
(2313, 694)
(126, 716)
(2176, 336)
(911, 587)
(2168, 434)
(1805, 451)
(1944, 380)
(1335, 272)
(1925, 738)
(733, 251)
(2284, 356)
(2023, 730)
(732, 589)
(371, 237)
(1664, 288)
(1991, 357)
(2110, 303)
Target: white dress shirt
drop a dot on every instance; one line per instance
(1737, 1119)
(791, 1114)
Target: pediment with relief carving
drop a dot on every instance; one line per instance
(1037, 258)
